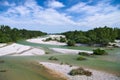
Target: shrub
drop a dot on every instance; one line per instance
(99, 52)
(53, 58)
(84, 54)
(62, 39)
(71, 43)
(2, 61)
(3, 70)
(80, 71)
(47, 53)
(48, 39)
(81, 58)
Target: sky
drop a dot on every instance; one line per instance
(54, 16)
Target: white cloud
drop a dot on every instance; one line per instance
(30, 15)
(55, 4)
(97, 15)
(6, 3)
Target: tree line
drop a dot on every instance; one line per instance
(101, 35)
(8, 34)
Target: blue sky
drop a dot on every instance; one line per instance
(55, 16)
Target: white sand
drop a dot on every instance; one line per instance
(2, 44)
(31, 52)
(65, 69)
(70, 51)
(17, 49)
(41, 40)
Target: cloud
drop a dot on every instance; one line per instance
(55, 4)
(6, 3)
(100, 14)
(31, 14)
(81, 16)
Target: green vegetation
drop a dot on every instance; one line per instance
(99, 52)
(71, 43)
(12, 35)
(84, 54)
(53, 58)
(2, 70)
(47, 53)
(80, 71)
(80, 58)
(62, 39)
(99, 35)
(48, 39)
(2, 61)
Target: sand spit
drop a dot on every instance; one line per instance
(69, 51)
(20, 50)
(65, 69)
(41, 40)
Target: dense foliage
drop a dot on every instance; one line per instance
(99, 52)
(96, 36)
(12, 35)
(80, 71)
(71, 43)
(62, 39)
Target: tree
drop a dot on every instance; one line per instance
(12, 35)
(71, 43)
(62, 39)
(99, 52)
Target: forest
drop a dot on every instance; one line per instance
(101, 35)
(12, 35)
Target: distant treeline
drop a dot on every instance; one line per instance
(95, 36)
(12, 35)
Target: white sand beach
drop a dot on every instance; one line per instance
(41, 40)
(69, 51)
(20, 50)
(65, 69)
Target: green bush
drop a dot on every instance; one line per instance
(53, 58)
(99, 52)
(48, 39)
(62, 39)
(47, 53)
(3, 70)
(81, 58)
(84, 54)
(80, 71)
(71, 43)
(2, 61)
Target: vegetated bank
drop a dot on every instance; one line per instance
(101, 36)
(8, 34)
